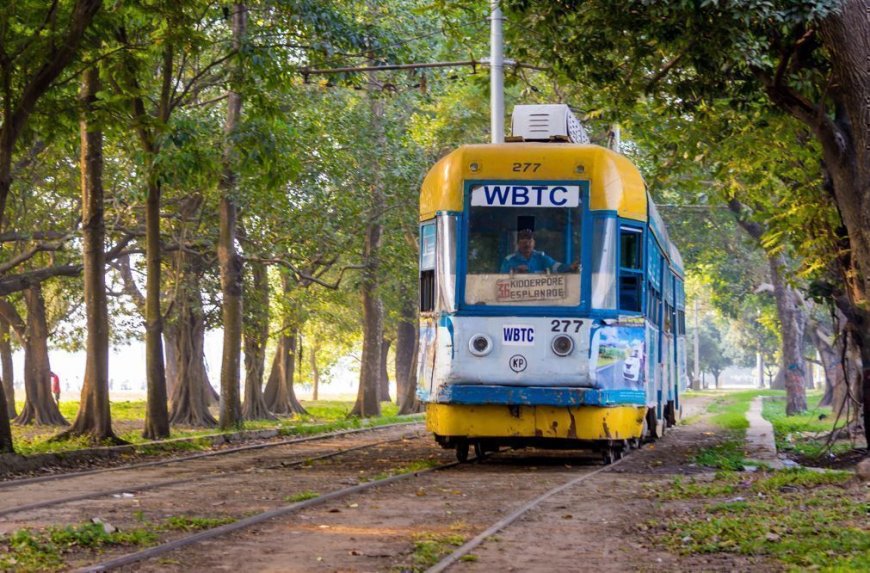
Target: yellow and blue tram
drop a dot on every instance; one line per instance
(552, 300)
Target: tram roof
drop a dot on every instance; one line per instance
(615, 183)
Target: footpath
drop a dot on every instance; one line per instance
(760, 444)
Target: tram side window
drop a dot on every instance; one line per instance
(681, 322)
(427, 267)
(654, 306)
(630, 269)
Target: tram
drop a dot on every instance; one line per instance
(552, 308)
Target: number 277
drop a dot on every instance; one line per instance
(523, 167)
(565, 325)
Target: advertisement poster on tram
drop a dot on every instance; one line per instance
(618, 355)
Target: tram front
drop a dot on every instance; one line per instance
(521, 338)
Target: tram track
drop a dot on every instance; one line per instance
(288, 510)
(16, 482)
(260, 494)
(262, 517)
(190, 480)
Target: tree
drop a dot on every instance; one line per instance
(712, 352)
(807, 58)
(6, 369)
(94, 417)
(367, 400)
(230, 261)
(256, 335)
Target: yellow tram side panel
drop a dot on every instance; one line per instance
(499, 421)
(615, 184)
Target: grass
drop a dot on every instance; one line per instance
(301, 496)
(188, 523)
(790, 431)
(725, 456)
(323, 416)
(729, 410)
(412, 467)
(429, 547)
(803, 519)
(31, 550)
(27, 550)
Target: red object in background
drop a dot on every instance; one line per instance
(55, 383)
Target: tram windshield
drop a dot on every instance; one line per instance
(523, 246)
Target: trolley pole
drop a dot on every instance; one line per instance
(496, 73)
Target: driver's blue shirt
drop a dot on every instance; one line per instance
(538, 262)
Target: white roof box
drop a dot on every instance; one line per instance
(551, 122)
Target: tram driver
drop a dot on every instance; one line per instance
(527, 260)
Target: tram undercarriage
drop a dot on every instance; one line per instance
(488, 427)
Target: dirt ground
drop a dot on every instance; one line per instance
(605, 523)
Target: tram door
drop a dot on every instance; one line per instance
(667, 337)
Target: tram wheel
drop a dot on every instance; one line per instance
(612, 454)
(479, 451)
(462, 451)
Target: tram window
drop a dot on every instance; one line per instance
(630, 269)
(427, 291)
(630, 248)
(630, 292)
(497, 271)
(604, 263)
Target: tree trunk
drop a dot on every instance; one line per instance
(792, 321)
(256, 335)
(190, 398)
(230, 261)
(315, 371)
(384, 377)
(94, 418)
(7, 405)
(831, 351)
(406, 358)
(39, 404)
(367, 404)
(280, 395)
(170, 365)
(6, 446)
(191, 395)
(7, 369)
(845, 141)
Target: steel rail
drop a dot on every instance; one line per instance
(167, 483)
(131, 558)
(504, 522)
(69, 475)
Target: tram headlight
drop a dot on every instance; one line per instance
(480, 345)
(562, 345)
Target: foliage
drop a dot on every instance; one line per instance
(805, 519)
(301, 496)
(730, 409)
(323, 416)
(725, 456)
(429, 548)
(43, 550)
(805, 433)
(194, 523)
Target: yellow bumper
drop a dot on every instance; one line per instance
(496, 421)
